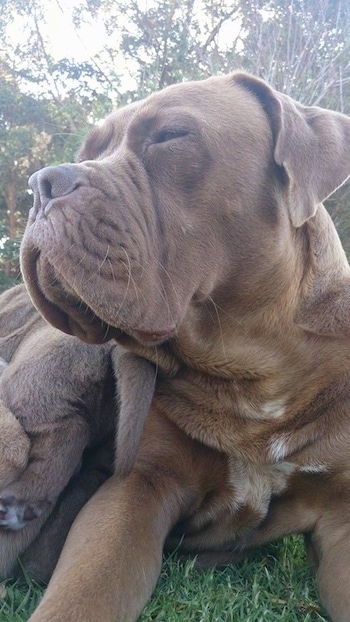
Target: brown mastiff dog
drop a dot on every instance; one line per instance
(192, 232)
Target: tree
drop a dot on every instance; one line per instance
(47, 101)
(21, 142)
(302, 48)
(164, 42)
(45, 108)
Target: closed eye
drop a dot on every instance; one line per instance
(165, 135)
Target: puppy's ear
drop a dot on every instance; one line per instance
(312, 145)
(136, 378)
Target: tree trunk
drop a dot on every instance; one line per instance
(10, 197)
(10, 193)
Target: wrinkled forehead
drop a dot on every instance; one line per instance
(217, 103)
(110, 130)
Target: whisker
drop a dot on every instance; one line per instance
(104, 259)
(216, 308)
(170, 281)
(230, 315)
(128, 283)
(106, 331)
(161, 291)
(112, 271)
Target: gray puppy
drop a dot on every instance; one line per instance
(60, 393)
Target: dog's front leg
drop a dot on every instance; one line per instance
(112, 556)
(330, 542)
(111, 559)
(40, 558)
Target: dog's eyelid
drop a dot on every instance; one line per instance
(168, 134)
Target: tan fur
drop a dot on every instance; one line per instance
(192, 232)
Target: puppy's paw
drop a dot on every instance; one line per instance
(16, 513)
(14, 447)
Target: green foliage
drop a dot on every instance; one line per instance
(7, 281)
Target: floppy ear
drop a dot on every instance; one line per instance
(312, 145)
(136, 378)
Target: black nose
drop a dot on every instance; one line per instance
(53, 182)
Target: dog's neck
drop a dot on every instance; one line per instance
(261, 370)
(277, 340)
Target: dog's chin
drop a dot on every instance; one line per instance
(87, 326)
(61, 307)
(80, 321)
(92, 332)
(97, 331)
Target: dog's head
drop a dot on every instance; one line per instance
(194, 194)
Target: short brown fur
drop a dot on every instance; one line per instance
(192, 232)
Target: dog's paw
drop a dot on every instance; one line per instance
(16, 513)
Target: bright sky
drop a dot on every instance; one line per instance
(64, 41)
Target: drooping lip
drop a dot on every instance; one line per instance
(86, 326)
(152, 337)
(81, 321)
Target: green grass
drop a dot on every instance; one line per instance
(274, 584)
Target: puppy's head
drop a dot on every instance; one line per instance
(192, 194)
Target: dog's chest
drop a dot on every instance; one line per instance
(254, 434)
(231, 516)
(254, 485)
(233, 418)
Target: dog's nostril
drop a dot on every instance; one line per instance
(54, 182)
(58, 181)
(46, 189)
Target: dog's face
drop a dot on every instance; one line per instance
(194, 217)
(176, 201)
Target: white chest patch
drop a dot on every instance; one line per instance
(274, 409)
(278, 447)
(255, 484)
(314, 468)
(271, 409)
(3, 364)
